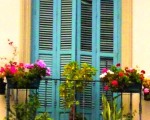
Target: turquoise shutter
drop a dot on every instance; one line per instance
(65, 46)
(86, 52)
(43, 48)
(81, 30)
(108, 35)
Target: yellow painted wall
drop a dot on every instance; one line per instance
(9, 29)
(141, 45)
(141, 34)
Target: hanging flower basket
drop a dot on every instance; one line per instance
(33, 84)
(2, 87)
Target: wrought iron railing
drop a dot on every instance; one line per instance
(90, 104)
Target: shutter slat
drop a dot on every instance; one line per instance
(106, 28)
(86, 27)
(66, 25)
(46, 25)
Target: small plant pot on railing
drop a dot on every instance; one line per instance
(147, 97)
(2, 86)
(32, 84)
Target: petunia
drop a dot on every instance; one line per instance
(29, 66)
(48, 71)
(41, 63)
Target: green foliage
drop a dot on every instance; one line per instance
(76, 81)
(43, 116)
(110, 112)
(25, 111)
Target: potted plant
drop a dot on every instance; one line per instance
(146, 89)
(111, 110)
(76, 80)
(25, 111)
(2, 62)
(122, 80)
(20, 75)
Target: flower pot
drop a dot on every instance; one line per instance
(134, 88)
(32, 84)
(2, 87)
(147, 97)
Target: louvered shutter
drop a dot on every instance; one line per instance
(68, 30)
(65, 46)
(85, 54)
(108, 47)
(43, 48)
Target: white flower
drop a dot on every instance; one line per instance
(103, 75)
(110, 72)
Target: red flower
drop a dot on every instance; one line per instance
(114, 83)
(121, 74)
(106, 88)
(118, 65)
(143, 71)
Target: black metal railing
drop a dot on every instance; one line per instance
(90, 99)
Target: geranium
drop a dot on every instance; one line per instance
(24, 73)
(116, 78)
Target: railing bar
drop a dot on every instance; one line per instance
(83, 102)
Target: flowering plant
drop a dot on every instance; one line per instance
(118, 79)
(146, 86)
(26, 73)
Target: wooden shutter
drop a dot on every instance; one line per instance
(65, 46)
(85, 53)
(108, 46)
(44, 48)
(81, 30)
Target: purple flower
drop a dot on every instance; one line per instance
(41, 63)
(29, 66)
(48, 71)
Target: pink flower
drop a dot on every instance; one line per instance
(146, 90)
(2, 69)
(106, 88)
(29, 66)
(114, 83)
(104, 70)
(13, 70)
(48, 71)
(41, 63)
